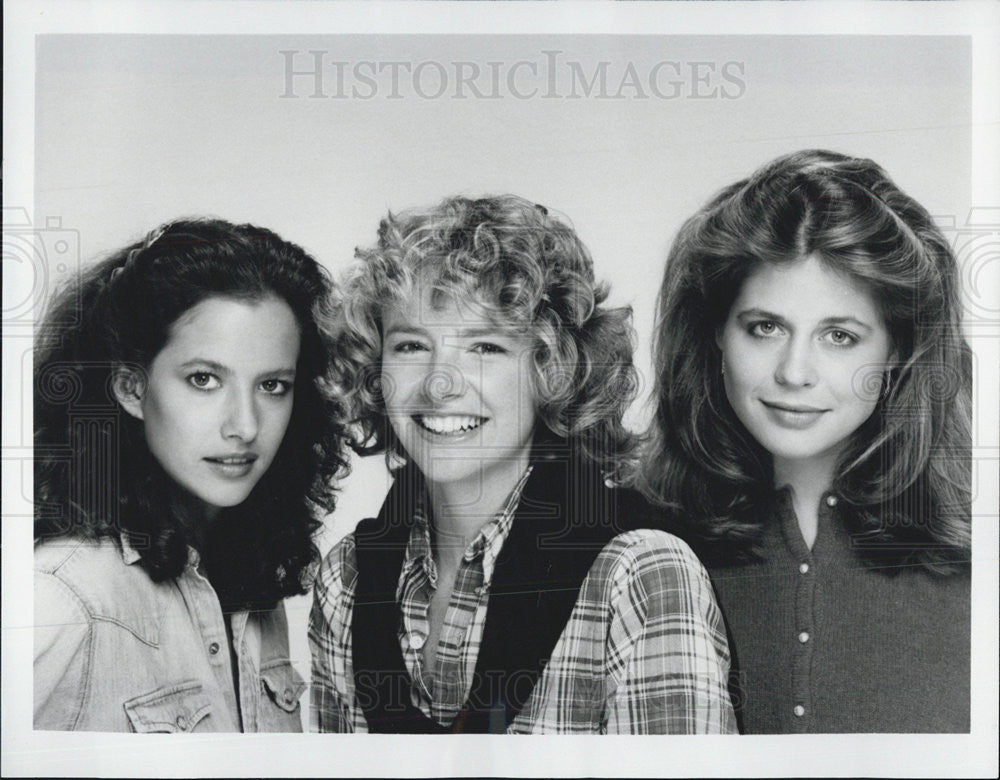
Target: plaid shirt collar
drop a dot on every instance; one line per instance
(488, 542)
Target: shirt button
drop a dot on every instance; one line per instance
(799, 710)
(181, 722)
(804, 637)
(416, 641)
(289, 696)
(213, 648)
(803, 568)
(480, 590)
(831, 501)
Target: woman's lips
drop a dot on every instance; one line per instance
(793, 416)
(453, 426)
(232, 466)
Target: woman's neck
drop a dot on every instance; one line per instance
(461, 508)
(808, 480)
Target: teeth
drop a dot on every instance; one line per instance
(234, 461)
(456, 423)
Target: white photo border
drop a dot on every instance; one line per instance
(26, 752)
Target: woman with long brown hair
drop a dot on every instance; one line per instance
(812, 439)
(184, 447)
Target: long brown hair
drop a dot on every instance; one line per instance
(905, 474)
(120, 313)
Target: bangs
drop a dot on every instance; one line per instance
(506, 261)
(508, 303)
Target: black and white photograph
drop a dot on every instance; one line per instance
(460, 371)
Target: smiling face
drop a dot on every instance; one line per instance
(459, 391)
(802, 349)
(218, 397)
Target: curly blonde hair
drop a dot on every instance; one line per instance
(526, 270)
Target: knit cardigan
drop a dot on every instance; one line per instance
(823, 643)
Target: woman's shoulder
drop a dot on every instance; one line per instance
(648, 570)
(333, 601)
(83, 564)
(66, 554)
(338, 573)
(92, 574)
(648, 548)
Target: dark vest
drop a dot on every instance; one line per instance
(565, 517)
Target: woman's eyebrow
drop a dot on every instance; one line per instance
(279, 373)
(481, 331)
(760, 314)
(846, 320)
(203, 363)
(406, 329)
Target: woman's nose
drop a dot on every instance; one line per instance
(796, 366)
(241, 420)
(444, 379)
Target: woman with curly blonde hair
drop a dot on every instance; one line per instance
(505, 586)
(812, 434)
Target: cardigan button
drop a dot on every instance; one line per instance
(831, 501)
(213, 648)
(804, 637)
(803, 568)
(799, 710)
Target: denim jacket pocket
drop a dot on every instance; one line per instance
(283, 684)
(172, 708)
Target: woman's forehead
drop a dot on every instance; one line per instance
(431, 306)
(810, 285)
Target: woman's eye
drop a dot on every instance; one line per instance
(841, 338)
(203, 380)
(275, 386)
(404, 347)
(488, 348)
(764, 328)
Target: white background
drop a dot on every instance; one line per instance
(131, 130)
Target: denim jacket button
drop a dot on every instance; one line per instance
(181, 722)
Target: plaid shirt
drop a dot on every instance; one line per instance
(644, 651)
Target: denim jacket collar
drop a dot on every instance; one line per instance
(130, 555)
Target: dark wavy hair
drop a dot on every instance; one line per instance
(525, 268)
(94, 474)
(905, 473)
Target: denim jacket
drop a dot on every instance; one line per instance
(115, 651)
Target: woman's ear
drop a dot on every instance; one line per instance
(128, 386)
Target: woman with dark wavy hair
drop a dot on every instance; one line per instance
(812, 438)
(505, 586)
(184, 443)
